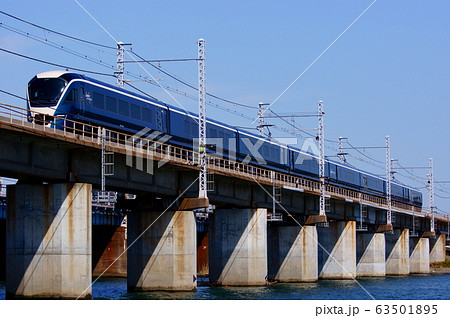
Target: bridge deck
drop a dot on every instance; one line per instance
(14, 118)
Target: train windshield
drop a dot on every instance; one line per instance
(44, 92)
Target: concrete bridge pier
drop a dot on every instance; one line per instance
(419, 259)
(370, 254)
(397, 253)
(162, 250)
(337, 250)
(292, 253)
(437, 248)
(238, 247)
(48, 237)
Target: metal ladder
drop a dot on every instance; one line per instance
(363, 213)
(276, 199)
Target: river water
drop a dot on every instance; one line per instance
(436, 287)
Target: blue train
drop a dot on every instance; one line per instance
(77, 97)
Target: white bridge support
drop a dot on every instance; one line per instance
(48, 237)
(163, 254)
(337, 250)
(292, 252)
(238, 247)
(370, 251)
(437, 249)
(397, 253)
(419, 259)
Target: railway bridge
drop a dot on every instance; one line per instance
(251, 240)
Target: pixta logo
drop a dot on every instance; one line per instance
(309, 146)
(149, 145)
(254, 150)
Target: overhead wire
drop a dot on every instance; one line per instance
(54, 64)
(176, 78)
(140, 91)
(362, 153)
(409, 172)
(441, 197)
(11, 94)
(55, 45)
(57, 33)
(63, 48)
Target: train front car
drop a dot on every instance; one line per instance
(51, 94)
(43, 95)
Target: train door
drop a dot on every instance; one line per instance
(82, 99)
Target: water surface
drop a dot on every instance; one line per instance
(405, 288)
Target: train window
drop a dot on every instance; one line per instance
(221, 135)
(111, 104)
(213, 133)
(194, 129)
(70, 97)
(47, 90)
(135, 111)
(99, 100)
(124, 109)
(146, 114)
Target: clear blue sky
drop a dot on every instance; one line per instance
(388, 74)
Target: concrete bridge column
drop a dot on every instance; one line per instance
(292, 253)
(370, 254)
(437, 249)
(397, 252)
(337, 250)
(238, 247)
(419, 260)
(162, 251)
(48, 237)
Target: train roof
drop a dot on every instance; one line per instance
(56, 74)
(69, 76)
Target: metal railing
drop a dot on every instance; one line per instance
(79, 132)
(274, 217)
(361, 227)
(108, 198)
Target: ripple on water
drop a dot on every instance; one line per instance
(406, 288)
